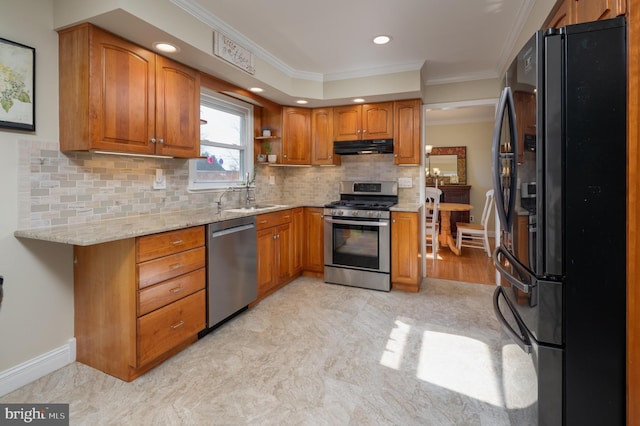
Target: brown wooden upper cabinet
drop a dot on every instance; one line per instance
(296, 135)
(569, 12)
(322, 138)
(406, 134)
(116, 96)
(363, 122)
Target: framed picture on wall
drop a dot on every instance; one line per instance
(17, 86)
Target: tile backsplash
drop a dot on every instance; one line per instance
(67, 188)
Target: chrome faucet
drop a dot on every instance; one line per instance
(220, 199)
(250, 198)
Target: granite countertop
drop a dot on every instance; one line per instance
(86, 234)
(407, 207)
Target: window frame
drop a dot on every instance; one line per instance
(212, 99)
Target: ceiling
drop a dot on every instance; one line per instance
(454, 40)
(459, 40)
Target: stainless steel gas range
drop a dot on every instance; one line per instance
(357, 235)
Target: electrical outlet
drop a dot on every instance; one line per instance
(471, 219)
(160, 181)
(272, 180)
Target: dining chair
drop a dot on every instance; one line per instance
(475, 235)
(432, 226)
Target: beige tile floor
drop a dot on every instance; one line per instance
(314, 354)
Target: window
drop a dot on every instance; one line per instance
(226, 142)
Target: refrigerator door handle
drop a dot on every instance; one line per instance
(522, 338)
(522, 286)
(505, 203)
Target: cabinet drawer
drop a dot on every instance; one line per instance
(165, 328)
(158, 245)
(268, 220)
(159, 295)
(167, 267)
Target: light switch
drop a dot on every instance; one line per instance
(405, 182)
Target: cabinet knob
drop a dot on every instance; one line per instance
(153, 140)
(161, 140)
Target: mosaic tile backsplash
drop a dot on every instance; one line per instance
(67, 188)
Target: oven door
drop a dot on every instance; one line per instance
(357, 243)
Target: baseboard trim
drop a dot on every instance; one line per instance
(40, 366)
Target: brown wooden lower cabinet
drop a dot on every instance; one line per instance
(314, 242)
(139, 301)
(406, 261)
(275, 244)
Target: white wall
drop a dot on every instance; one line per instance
(36, 315)
(477, 137)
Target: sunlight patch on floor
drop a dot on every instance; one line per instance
(518, 370)
(461, 364)
(393, 352)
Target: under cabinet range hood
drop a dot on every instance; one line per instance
(375, 146)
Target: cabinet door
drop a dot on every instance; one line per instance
(406, 270)
(266, 262)
(297, 240)
(314, 249)
(347, 123)
(284, 253)
(122, 98)
(177, 131)
(322, 138)
(296, 136)
(595, 10)
(406, 139)
(377, 121)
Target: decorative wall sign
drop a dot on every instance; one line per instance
(17, 85)
(233, 53)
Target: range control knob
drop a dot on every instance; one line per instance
(355, 213)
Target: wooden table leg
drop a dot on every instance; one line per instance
(445, 238)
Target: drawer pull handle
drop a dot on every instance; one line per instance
(175, 243)
(176, 290)
(287, 216)
(177, 325)
(175, 266)
(263, 221)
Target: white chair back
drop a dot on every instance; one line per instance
(488, 205)
(432, 198)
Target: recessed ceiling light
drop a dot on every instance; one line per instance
(358, 100)
(382, 39)
(256, 89)
(166, 47)
(301, 102)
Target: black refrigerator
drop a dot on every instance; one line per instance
(559, 170)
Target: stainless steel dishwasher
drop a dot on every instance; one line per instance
(231, 268)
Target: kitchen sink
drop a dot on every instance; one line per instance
(255, 208)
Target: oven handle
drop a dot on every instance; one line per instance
(356, 222)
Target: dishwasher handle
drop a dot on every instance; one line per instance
(233, 230)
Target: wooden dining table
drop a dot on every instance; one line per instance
(445, 238)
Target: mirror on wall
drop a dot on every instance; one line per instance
(447, 164)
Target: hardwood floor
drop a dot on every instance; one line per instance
(472, 266)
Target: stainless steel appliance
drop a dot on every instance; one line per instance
(231, 268)
(564, 302)
(357, 235)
